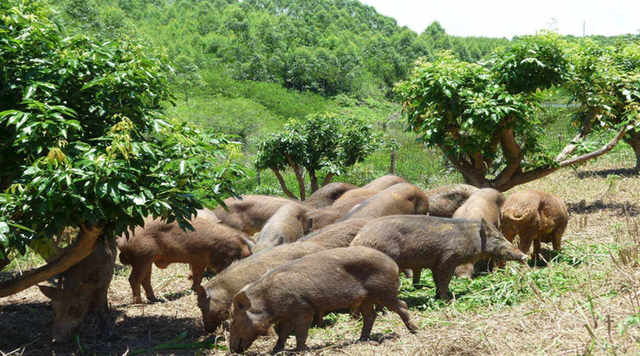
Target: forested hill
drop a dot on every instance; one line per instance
(323, 46)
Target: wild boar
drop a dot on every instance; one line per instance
(328, 194)
(251, 213)
(210, 244)
(214, 298)
(384, 182)
(290, 295)
(444, 201)
(286, 225)
(416, 242)
(321, 218)
(82, 289)
(401, 198)
(483, 204)
(536, 217)
(336, 235)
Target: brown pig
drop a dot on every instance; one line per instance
(401, 198)
(444, 201)
(536, 217)
(286, 225)
(328, 194)
(321, 218)
(416, 242)
(384, 182)
(336, 235)
(210, 244)
(290, 295)
(82, 289)
(214, 298)
(251, 213)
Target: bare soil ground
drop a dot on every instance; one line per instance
(585, 301)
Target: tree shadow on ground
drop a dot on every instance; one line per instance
(623, 172)
(28, 326)
(617, 208)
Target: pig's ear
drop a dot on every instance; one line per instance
(309, 223)
(48, 292)
(484, 227)
(200, 291)
(242, 301)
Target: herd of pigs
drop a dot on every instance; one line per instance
(343, 248)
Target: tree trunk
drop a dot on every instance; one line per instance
(314, 181)
(84, 245)
(633, 139)
(283, 185)
(328, 178)
(299, 177)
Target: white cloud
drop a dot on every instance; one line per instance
(504, 18)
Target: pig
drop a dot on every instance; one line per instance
(290, 295)
(484, 203)
(82, 289)
(401, 198)
(336, 235)
(384, 182)
(328, 194)
(536, 217)
(251, 212)
(215, 297)
(440, 244)
(321, 218)
(444, 201)
(210, 244)
(287, 225)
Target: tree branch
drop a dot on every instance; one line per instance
(468, 173)
(283, 185)
(84, 245)
(299, 177)
(511, 151)
(328, 178)
(585, 129)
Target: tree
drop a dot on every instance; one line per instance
(483, 116)
(85, 143)
(321, 143)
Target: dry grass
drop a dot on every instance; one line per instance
(586, 301)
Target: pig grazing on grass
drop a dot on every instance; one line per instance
(384, 182)
(82, 289)
(416, 242)
(444, 201)
(483, 204)
(251, 213)
(214, 298)
(322, 218)
(211, 244)
(399, 199)
(328, 194)
(290, 296)
(287, 225)
(336, 235)
(536, 217)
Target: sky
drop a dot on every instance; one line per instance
(508, 18)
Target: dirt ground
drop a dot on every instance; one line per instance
(590, 307)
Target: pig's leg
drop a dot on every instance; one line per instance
(318, 319)
(536, 250)
(138, 274)
(368, 317)
(416, 277)
(557, 236)
(301, 329)
(400, 307)
(146, 284)
(284, 330)
(442, 277)
(198, 274)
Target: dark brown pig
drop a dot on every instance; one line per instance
(416, 242)
(384, 182)
(483, 204)
(210, 244)
(290, 295)
(286, 225)
(336, 235)
(399, 199)
(444, 201)
(321, 218)
(328, 194)
(82, 289)
(251, 213)
(536, 217)
(214, 298)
